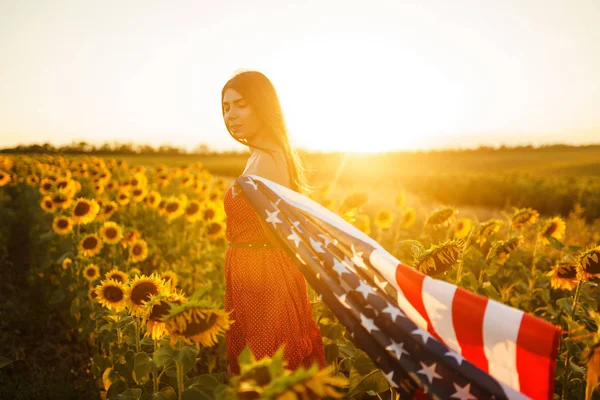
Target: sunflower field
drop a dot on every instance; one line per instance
(127, 261)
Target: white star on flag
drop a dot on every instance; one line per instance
(368, 323)
(382, 284)
(364, 289)
(340, 267)
(459, 359)
(294, 236)
(393, 311)
(463, 393)
(429, 371)
(276, 204)
(272, 218)
(397, 348)
(342, 300)
(424, 334)
(250, 182)
(296, 225)
(357, 258)
(300, 258)
(389, 376)
(316, 245)
(325, 239)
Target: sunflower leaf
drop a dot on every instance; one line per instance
(186, 357)
(557, 244)
(142, 365)
(4, 362)
(164, 355)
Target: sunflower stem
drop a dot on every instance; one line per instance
(179, 373)
(154, 377)
(567, 374)
(137, 335)
(537, 240)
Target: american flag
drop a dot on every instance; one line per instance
(428, 337)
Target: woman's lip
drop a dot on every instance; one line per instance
(235, 127)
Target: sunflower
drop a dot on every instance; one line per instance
(90, 245)
(462, 228)
(383, 219)
(488, 229)
(112, 295)
(197, 321)
(133, 271)
(66, 263)
(62, 225)
(363, 223)
(564, 275)
(408, 218)
(32, 180)
(173, 208)
(47, 204)
(524, 216)
(355, 200)
(61, 200)
(187, 181)
(4, 178)
(170, 278)
(139, 180)
(111, 232)
(554, 227)
(46, 186)
(503, 248)
(123, 197)
(138, 251)
(130, 237)
(192, 211)
(117, 275)
(311, 383)
(84, 211)
(209, 212)
(214, 230)
(99, 188)
(156, 308)
(589, 263)
(439, 258)
(109, 209)
(139, 194)
(91, 272)
(141, 288)
(92, 295)
(441, 217)
(111, 185)
(153, 199)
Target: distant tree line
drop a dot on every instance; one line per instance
(83, 147)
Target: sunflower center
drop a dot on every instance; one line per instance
(142, 292)
(59, 198)
(113, 294)
(567, 273)
(137, 192)
(90, 272)
(192, 209)
(47, 186)
(108, 208)
(593, 267)
(62, 223)
(172, 207)
(214, 228)
(116, 277)
(81, 209)
(90, 243)
(137, 250)
(111, 233)
(195, 327)
(209, 214)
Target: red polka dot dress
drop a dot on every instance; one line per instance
(267, 294)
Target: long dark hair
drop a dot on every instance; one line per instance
(260, 93)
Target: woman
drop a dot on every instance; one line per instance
(263, 287)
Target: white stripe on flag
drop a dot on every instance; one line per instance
(500, 330)
(437, 298)
(386, 264)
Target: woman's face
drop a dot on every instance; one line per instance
(239, 116)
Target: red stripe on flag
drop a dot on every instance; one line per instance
(410, 282)
(468, 311)
(537, 346)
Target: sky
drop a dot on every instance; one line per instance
(350, 75)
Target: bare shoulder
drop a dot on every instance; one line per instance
(272, 167)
